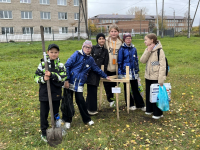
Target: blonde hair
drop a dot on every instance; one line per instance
(114, 26)
(153, 37)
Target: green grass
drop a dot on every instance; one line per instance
(179, 129)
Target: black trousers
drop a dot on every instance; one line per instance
(91, 99)
(108, 86)
(137, 97)
(44, 112)
(151, 107)
(80, 101)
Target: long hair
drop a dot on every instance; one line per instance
(153, 37)
(114, 26)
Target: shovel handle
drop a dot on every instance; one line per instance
(48, 81)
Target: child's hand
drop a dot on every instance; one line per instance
(108, 78)
(46, 78)
(66, 85)
(47, 73)
(150, 47)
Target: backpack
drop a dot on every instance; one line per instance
(167, 66)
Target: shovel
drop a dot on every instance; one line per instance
(54, 135)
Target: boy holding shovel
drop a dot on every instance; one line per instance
(57, 75)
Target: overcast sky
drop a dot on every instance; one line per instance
(96, 7)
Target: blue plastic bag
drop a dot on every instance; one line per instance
(162, 99)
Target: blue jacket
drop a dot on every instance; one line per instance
(78, 66)
(127, 56)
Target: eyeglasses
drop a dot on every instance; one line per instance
(88, 47)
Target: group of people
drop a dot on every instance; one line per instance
(84, 67)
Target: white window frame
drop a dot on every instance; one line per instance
(5, 1)
(27, 30)
(47, 30)
(23, 13)
(42, 15)
(76, 2)
(8, 14)
(76, 16)
(45, 2)
(62, 2)
(5, 29)
(63, 30)
(25, 1)
(61, 14)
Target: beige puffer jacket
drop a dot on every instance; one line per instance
(108, 46)
(155, 70)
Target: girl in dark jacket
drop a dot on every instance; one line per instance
(127, 56)
(101, 57)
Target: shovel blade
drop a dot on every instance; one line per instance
(54, 136)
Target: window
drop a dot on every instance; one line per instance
(62, 2)
(27, 30)
(5, 1)
(76, 2)
(6, 14)
(45, 15)
(26, 14)
(76, 16)
(62, 15)
(47, 30)
(63, 30)
(25, 1)
(44, 2)
(8, 30)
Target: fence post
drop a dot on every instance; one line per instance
(199, 29)
(31, 36)
(90, 34)
(73, 34)
(6, 37)
(53, 34)
(144, 32)
(122, 33)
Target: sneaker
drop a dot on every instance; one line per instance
(148, 113)
(67, 125)
(112, 104)
(92, 112)
(157, 117)
(132, 108)
(90, 123)
(143, 108)
(44, 138)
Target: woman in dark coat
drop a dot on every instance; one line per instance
(101, 57)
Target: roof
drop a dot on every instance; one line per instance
(114, 16)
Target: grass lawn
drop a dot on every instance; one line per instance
(178, 129)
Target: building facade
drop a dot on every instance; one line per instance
(104, 19)
(26, 16)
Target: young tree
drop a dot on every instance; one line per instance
(165, 26)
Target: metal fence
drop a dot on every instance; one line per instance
(21, 37)
(71, 34)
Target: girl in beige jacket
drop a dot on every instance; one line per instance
(112, 44)
(155, 71)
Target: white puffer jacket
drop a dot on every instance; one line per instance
(155, 70)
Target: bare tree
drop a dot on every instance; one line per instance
(138, 12)
(131, 11)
